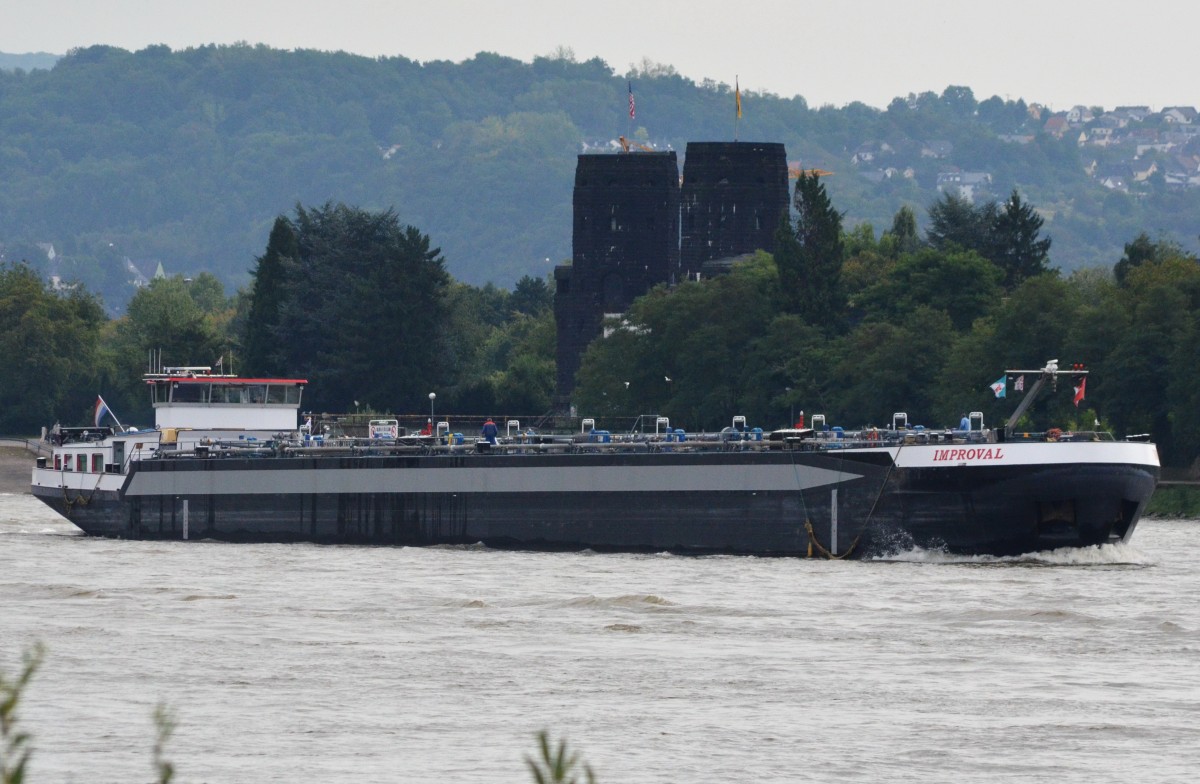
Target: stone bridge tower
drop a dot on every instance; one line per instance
(625, 241)
(732, 197)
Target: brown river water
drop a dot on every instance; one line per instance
(292, 663)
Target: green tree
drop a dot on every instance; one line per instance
(810, 260)
(476, 345)
(954, 221)
(525, 384)
(163, 317)
(1007, 236)
(962, 284)
(51, 341)
(960, 100)
(789, 372)
(1032, 325)
(1143, 250)
(1150, 370)
(1018, 249)
(687, 352)
(363, 314)
(262, 350)
(903, 234)
(532, 296)
(881, 368)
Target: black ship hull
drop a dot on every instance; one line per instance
(854, 502)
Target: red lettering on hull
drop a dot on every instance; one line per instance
(968, 454)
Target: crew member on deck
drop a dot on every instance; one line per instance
(428, 429)
(489, 431)
(800, 421)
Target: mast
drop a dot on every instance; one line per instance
(1048, 373)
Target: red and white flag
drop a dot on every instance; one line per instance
(1019, 384)
(632, 109)
(1080, 390)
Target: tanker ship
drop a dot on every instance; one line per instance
(229, 459)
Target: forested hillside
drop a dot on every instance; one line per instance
(120, 161)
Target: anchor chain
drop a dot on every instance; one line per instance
(814, 542)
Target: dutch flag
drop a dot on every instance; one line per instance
(101, 410)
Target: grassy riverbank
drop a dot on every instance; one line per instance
(1175, 501)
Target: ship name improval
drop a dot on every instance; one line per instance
(979, 453)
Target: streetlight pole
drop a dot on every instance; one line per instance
(432, 397)
(791, 407)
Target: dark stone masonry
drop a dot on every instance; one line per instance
(731, 198)
(630, 213)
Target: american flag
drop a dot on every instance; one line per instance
(632, 111)
(1019, 384)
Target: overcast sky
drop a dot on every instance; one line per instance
(1054, 52)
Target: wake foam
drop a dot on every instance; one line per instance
(1120, 554)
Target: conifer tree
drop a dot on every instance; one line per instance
(262, 352)
(1007, 236)
(1136, 254)
(954, 221)
(1019, 252)
(809, 256)
(904, 231)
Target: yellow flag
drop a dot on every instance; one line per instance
(737, 96)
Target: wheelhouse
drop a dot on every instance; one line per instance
(195, 397)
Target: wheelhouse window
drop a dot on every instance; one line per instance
(189, 393)
(224, 393)
(228, 393)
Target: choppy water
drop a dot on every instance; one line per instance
(292, 663)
